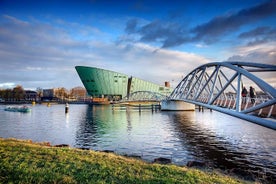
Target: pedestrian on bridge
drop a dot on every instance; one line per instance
(244, 94)
(252, 94)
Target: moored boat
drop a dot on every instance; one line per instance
(18, 108)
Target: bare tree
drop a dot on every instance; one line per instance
(18, 93)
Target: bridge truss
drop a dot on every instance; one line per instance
(144, 96)
(218, 86)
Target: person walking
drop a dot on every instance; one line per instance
(244, 94)
(252, 94)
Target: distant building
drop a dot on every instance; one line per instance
(55, 94)
(31, 95)
(49, 94)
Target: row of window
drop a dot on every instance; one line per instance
(117, 81)
(120, 76)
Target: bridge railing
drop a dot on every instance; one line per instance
(229, 101)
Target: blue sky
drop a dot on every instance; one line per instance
(42, 41)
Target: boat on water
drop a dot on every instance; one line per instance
(18, 108)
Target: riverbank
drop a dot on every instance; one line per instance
(23, 161)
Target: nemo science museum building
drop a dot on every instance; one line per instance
(101, 83)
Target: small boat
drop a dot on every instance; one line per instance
(18, 109)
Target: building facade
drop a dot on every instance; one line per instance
(113, 85)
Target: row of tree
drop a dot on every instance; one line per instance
(18, 93)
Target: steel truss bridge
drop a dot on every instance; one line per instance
(218, 86)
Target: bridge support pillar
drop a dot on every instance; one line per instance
(176, 105)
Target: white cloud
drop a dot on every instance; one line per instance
(201, 45)
(158, 65)
(42, 55)
(259, 53)
(33, 68)
(8, 85)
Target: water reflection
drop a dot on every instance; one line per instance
(87, 133)
(216, 150)
(128, 117)
(219, 140)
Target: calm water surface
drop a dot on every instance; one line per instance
(220, 140)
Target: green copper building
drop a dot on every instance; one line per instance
(113, 85)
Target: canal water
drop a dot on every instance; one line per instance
(218, 140)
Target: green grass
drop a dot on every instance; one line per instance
(28, 162)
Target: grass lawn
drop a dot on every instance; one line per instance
(23, 161)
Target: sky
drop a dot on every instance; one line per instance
(42, 41)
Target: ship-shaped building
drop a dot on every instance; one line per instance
(101, 83)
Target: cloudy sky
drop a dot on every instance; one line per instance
(42, 41)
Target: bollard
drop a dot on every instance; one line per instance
(66, 108)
